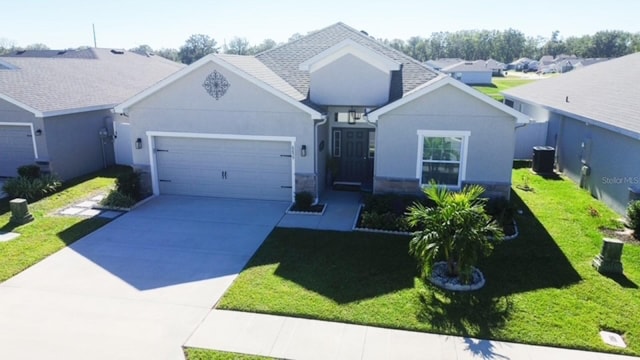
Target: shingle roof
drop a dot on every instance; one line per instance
(285, 60)
(443, 62)
(478, 65)
(255, 68)
(76, 54)
(606, 92)
(80, 79)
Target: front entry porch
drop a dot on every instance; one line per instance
(340, 213)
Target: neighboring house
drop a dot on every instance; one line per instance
(581, 63)
(56, 106)
(519, 64)
(496, 67)
(333, 107)
(470, 72)
(439, 64)
(593, 121)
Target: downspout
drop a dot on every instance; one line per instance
(522, 125)
(315, 155)
(375, 126)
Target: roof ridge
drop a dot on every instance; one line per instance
(400, 53)
(297, 40)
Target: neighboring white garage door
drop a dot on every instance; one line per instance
(246, 169)
(16, 149)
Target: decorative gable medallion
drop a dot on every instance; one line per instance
(216, 85)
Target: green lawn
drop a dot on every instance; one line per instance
(500, 84)
(541, 288)
(202, 354)
(49, 233)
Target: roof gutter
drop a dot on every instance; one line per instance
(612, 128)
(315, 157)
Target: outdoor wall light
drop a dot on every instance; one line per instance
(352, 117)
(303, 150)
(38, 132)
(138, 143)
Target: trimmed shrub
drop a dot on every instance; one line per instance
(304, 199)
(633, 217)
(391, 203)
(129, 184)
(118, 200)
(501, 210)
(29, 171)
(31, 189)
(384, 221)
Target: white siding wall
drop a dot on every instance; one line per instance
(476, 77)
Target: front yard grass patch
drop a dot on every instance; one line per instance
(203, 354)
(500, 84)
(49, 233)
(541, 287)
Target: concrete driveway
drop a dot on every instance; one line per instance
(136, 288)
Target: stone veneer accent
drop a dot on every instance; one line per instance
(306, 182)
(382, 185)
(146, 188)
(492, 189)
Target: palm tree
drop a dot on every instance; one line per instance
(457, 229)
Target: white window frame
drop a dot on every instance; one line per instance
(462, 173)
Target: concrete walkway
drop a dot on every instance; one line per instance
(302, 339)
(339, 215)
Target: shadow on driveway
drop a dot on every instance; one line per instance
(176, 239)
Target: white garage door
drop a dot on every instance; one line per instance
(246, 169)
(16, 149)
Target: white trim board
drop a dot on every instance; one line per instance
(33, 134)
(350, 47)
(444, 133)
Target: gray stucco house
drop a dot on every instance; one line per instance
(56, 106)
(592, 118)
(477, 72)
(335, 106)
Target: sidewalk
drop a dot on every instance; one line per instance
(293, 338)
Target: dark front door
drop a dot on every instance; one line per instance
(355, 160)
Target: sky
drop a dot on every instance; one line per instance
(61, 24)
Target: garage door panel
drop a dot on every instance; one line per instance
(224, 168)
(16, 147)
